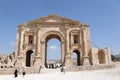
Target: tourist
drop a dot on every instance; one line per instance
(16, 73)
(23, 73)
(40, 69)
(64, 69)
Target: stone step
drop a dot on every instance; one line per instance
(46, 70)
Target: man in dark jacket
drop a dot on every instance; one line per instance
(16, 73)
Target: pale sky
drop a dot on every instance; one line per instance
(103, 17)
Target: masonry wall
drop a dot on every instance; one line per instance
(94, 52)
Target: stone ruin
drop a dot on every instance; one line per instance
(31, 45)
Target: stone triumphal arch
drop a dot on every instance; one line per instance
(74, 37)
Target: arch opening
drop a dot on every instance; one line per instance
(76, 57)
(53, 51)
(28, 58)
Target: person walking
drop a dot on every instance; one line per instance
(61, 68)
(64, 69)
(39, 69)
(23, 73)
(16, 73)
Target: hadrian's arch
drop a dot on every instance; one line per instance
(74, 36)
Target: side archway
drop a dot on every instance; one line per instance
(76, 61)
(28, 58)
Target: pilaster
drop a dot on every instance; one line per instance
(38, 61)
(63, 51)
(67, 37)
(19, 56)
(86, 57)
(38, 55)
(17, 44)
(43, 52)
(19, 61)
(68, 61)
(38, 43)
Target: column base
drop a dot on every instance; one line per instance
(68, 61)
(19, 61)
(37, 62)
(86, 61)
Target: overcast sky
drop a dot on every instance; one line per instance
(103, 17)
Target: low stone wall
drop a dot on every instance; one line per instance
(4, 71)
(91, 67)
(32, 70)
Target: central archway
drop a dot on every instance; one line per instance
(48, 61)
(50, 35)
(53, 53)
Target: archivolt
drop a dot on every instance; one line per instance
(53, 32)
